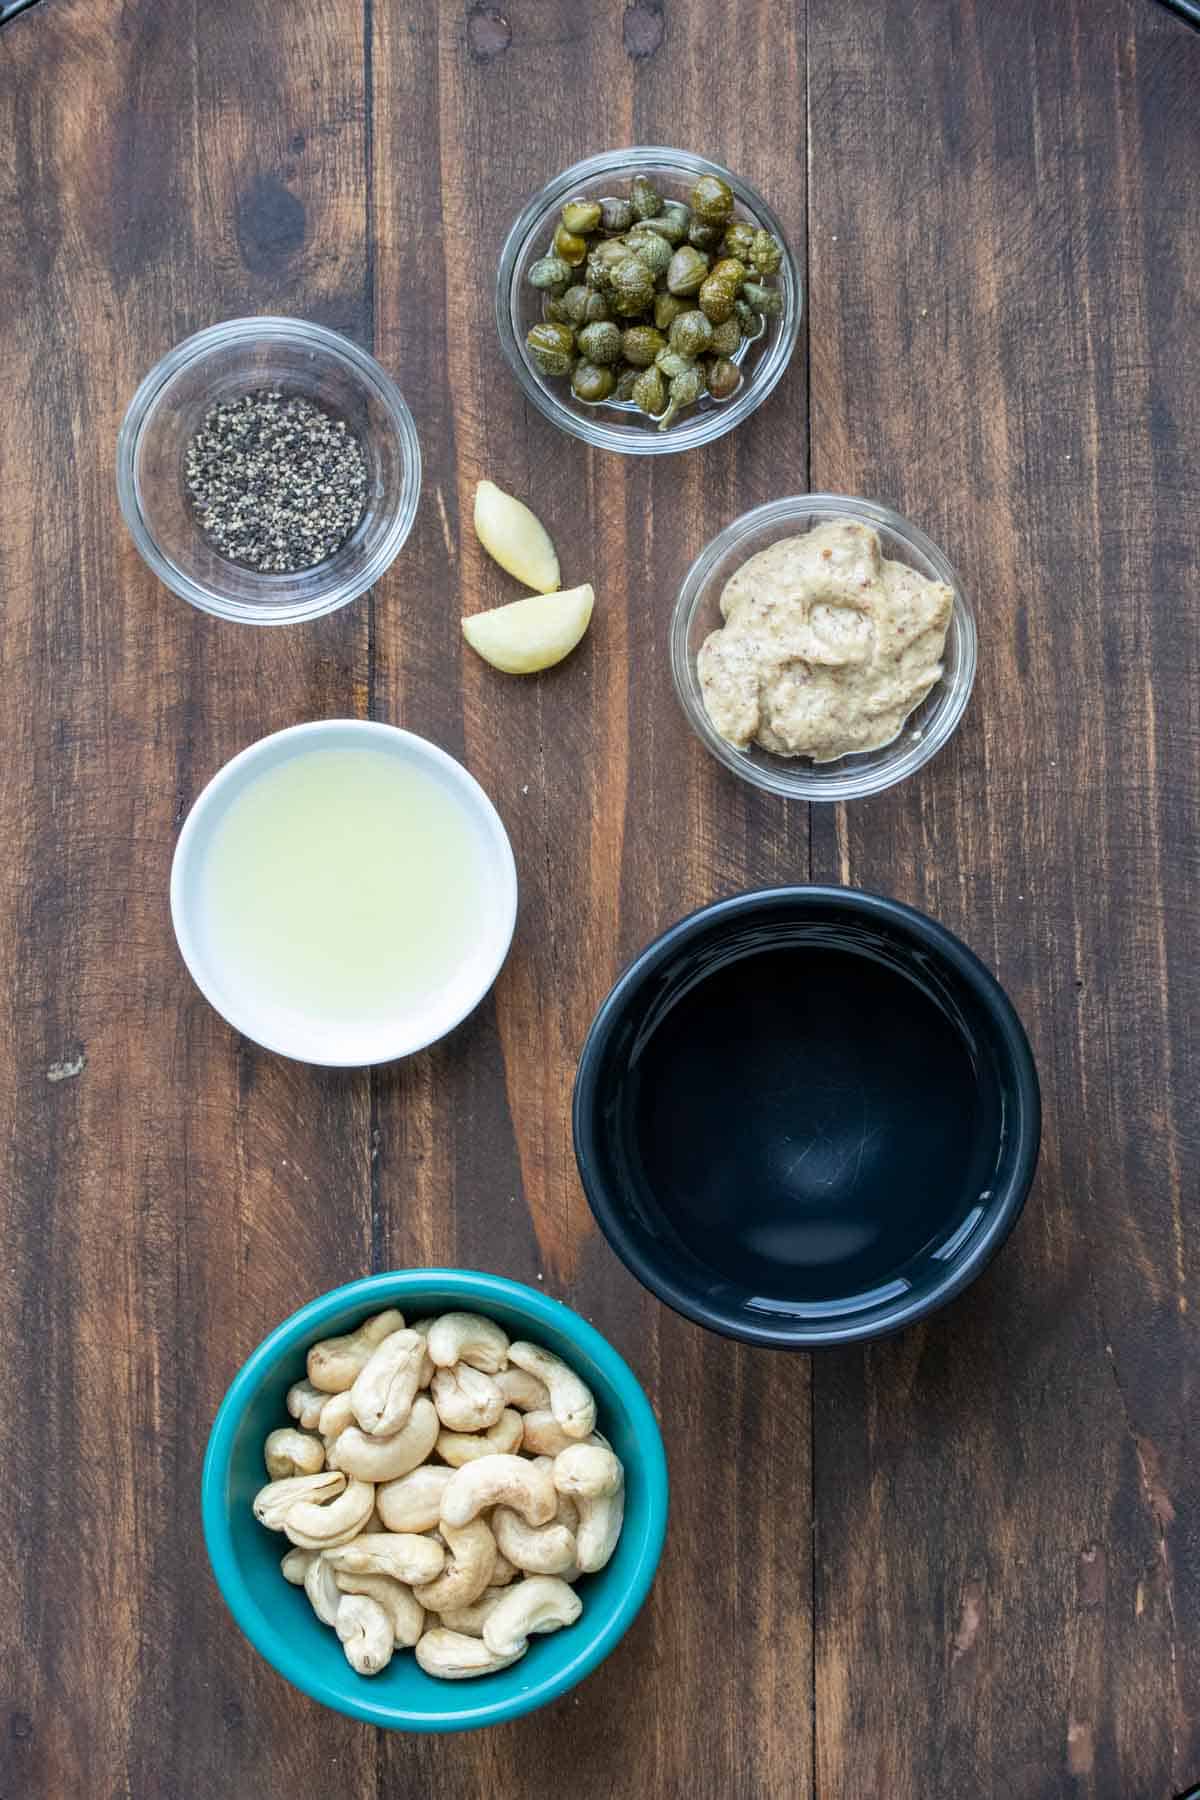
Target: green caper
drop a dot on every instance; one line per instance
(581, 216)
(726, 337)
(551, 347)
(673, 363)
(548, 273)
(616, 215)
(691, 334)
(571, 306)
(554, 309)
(650, 392)
(672, 222)
(640, 344)
(591, 382)
(626, 382)
(597, 308)
(667, 308)
(630, 286)
(748, 320)
(603, 260)
(765, 300)
(717, 300)
(644, 198)
(704, 237)
(739, 240)
(712, 200)
(651, 249)
(684, 390)
(766, 253)
(724, 378)
(601, 342)
(686, 270)
(730, 270)
(572, 249)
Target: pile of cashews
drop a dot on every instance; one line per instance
(442, 1489)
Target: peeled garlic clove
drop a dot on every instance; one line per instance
(516, 538)
(528, 635)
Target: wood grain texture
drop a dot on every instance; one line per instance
(1005, 312)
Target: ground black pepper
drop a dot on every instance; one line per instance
(276, 483)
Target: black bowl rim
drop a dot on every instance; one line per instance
(858, 905)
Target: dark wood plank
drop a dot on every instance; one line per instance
(1005, 261)
(179, 1194)
(620, 822)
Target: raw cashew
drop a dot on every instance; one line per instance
(587, 1470)
(522, 1390)
(316, 1527)
(502, 1570)
(504, 1439)
(566, 1512)
(540, 1604)
(366, 1633)
(414, 1501)
(336, 1415)
(386, 1459)
(492, 1480)
(469, 1619)
(543, 1433)
(291, 1452)
(599, 1528)
(466, 1399)
(453, 1656)
(422, 1327)
(468, 1337)
(320, 1584)
(404, 1555)
(295, 1565)
(334, 1362)
(541, 1550)
(304, 1402)
(273, 1502)
(386, 1385)
(407, 1617)
(472, 1559)
(571, 1400)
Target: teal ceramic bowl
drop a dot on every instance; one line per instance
(277, 1618)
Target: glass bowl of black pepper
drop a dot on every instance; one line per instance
(268, 470)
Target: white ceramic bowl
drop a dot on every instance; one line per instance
(311, 1038)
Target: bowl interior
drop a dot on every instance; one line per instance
(229, 361)
(278, 1618)
(806, 1117)
(621, 425)
(698, 613)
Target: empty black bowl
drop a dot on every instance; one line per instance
(806, 1116)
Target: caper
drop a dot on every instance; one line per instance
(597, 307)
(717, 300)
(650, 392)
(724, 378)
(548, 272)
(686, 270)
(685, 389)
(726, 337)
(712, 200)
(591, 382)
(766, 253)
(731, 270)
(765, 300)
(626, 382)
(672, 222)
(630, 286)
(651, 249)
(691, 334)
(750, 322)
(581, 216)
(603, 260)
(554, 309)
(704, 237)
(571, 307)
(673, 363)
(739, 240)
(640, 344)
(551, 347)
(601, 342)
(668, 307)
(616, 215)
(644, 198)
(572, 249)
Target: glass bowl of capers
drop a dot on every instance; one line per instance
(647, 301)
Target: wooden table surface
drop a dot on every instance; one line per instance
(962, 1563)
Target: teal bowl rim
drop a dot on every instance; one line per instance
(304, 1326)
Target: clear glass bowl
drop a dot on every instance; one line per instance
(619, 425)
(698, 612)
(221, 363)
